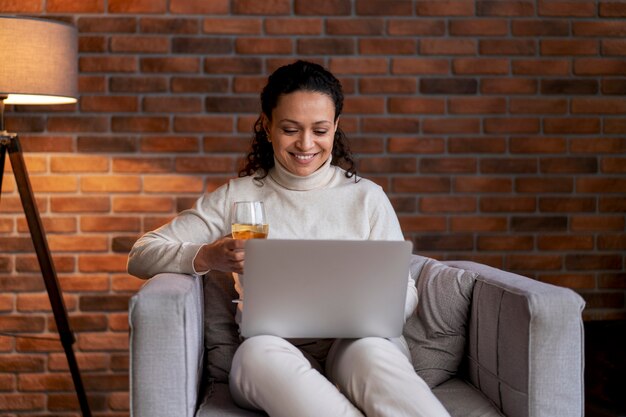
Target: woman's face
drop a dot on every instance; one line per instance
(302, 131)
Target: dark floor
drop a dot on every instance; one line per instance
(605, 368)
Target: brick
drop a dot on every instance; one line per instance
(614, 86)
(455, 242)
(419, 66)
(599, 66)
(363, 105)
(523, 262)
(94, 342)
(445, 8)
(170, 64)
(109, 224)
(476, 105)
(566, 204)
(21, 323)
(168, 25)
(93, 282)
(613, 165)
(538, 106)
(508, 165)
(390, 125)
(387, 46)
(598, 106)
(210, 164)
(407, 105)
(615, 126)
(607, 28)
(325, 46)
(119, 401)
(225, 144)
(203, 124)
(569, 165)
(475, 66)
(482, 185)
(139, 124)
(269, 7)
(102, 263)
(28, 263)
(323, 7)
(118, 322)
(17, 402)
(511, 125)
(382, 85)
(172, 104)
(587, 262)
(612, 242)
(571, 125)
(53, 184)
(544, 185)
(290, 26)
(136, 6)
(383, 7)
(41, 303)
(564, 242)
(77, 124)
(270, 46)
(106, 144)
(141, 165)
(540, 67)
(413, 27)
(126, 283)
(612, 280)
(448, 86)
(352, 26)
(505, 8)
(172, 184)
(476, 145)
(232, 26)
(604, 300)
(90, 243)
(479, 27)
(447, 46)
(505, 243)
(597, 223)
(451, 125)
(143, 84)
(203, 46)
(574, 281)
(109, 104)
(538, 223)
(569, 86)
(91, 84)
(448, 165)
(26, 6)
(616, 47)
(507, 47)
(110, 183)
(24, 124)
(387, 164)
(418, 145)
(232, 65)
(92, 44)
(540, 27)
(79, 204)
(22, 283)
(421, 185)
(198, 85)
(139, 44)
(478, 224)
(198, 7)
(568, 47)
(106, 25)
(612, 9)
(104, 302)
(508, 86)
(107, 64)
(34, 382)
(169, 144)
(573, 8)
(47, 144)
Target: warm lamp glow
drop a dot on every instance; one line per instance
(37, 99)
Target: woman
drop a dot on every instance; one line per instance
(294, 169)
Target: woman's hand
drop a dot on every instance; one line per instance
(225, 254)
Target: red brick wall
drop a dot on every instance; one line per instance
(496, 127)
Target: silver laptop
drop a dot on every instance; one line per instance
(325, 288)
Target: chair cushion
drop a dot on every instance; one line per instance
(221, 334)
(437, 331)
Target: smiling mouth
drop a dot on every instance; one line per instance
(304, 156)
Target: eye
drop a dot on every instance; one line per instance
(290, 131)
(320, 132)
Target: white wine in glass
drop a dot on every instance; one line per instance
(249, 221)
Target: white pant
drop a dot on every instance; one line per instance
(370, 376)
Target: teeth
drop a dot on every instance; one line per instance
(304, 157)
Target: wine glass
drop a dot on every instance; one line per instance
(248, 220)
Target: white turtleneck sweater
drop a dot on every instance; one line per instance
(323, 205)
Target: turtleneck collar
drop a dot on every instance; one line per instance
(317, 179)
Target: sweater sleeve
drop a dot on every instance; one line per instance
(174, 246)
(385, 226)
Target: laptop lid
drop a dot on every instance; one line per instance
(325, 288)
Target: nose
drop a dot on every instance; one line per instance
(305, 141)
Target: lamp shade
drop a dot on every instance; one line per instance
(38, 61)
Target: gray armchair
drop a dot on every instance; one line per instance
(523, 353)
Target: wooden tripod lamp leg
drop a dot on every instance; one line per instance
(47, 267)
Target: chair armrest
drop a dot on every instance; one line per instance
(166, 346)
(526, 351)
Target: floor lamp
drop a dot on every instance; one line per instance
(38, 65)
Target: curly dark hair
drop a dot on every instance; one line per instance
(298, 76)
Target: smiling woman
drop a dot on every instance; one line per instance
(296, 167)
